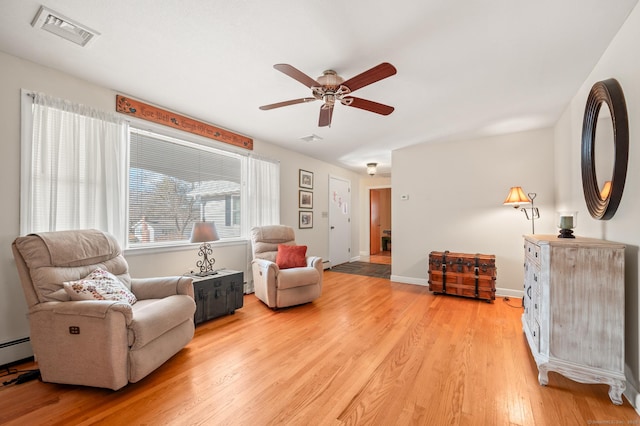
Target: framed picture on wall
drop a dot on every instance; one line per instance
(305, 199)
(306, 220)
(306, 179)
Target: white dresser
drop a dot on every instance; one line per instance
(574, 309)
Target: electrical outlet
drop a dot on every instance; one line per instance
(74, 329)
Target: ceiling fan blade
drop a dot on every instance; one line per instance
(286, 103)
(368, 105)
(325, 116)
(368, 77)
(296, 74)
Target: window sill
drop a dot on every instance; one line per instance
(173, 247)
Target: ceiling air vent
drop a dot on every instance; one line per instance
(311, 138)
(62, 26)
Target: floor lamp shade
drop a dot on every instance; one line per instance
(516, 197)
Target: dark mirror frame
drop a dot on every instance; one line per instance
(610, 92)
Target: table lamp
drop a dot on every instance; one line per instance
(204, 232)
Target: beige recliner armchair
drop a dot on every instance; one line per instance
(277, 287)
(96, 342)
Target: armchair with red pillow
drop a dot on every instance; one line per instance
(283, 274)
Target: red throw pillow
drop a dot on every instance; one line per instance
(291, 256)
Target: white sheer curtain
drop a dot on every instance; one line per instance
(264, 191)
(74, 168)
(263, 176)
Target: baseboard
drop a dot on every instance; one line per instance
(15, 350)
(631, 391)
(502, 292)
(409, 280)
(508, 292)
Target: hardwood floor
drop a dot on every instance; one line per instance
(383, 257)
(369, 351)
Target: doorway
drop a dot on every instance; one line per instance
(380, 222)
(339, 220)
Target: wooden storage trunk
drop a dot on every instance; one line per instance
(463, 274)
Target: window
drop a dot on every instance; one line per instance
(75, 170)
(174, 183)
(233, 210)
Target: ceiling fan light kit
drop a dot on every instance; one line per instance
(331, 88)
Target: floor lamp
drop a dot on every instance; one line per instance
(517, 197)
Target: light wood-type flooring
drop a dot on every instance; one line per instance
(367, 352)
(383, 257)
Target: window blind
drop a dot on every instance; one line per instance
(174, 182)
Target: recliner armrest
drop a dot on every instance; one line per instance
(266, 264)
(161, 287)
(85, 308)
(314, 262)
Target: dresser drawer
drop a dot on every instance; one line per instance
(532, 251)
(536, 295)
(536, 335)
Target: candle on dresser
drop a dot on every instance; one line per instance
(566, 222)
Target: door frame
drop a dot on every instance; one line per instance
(368, 213)
(374, 213)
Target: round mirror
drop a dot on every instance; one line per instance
(605, 148)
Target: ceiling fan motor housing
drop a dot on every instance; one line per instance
(330, 89)
(330, 79)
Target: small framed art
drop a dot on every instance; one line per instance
(306, 179)
(305, 200)
(306, 220)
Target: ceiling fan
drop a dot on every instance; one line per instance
(331, 88)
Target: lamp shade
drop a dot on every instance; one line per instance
(516, 197)
(372, 168)
(203, 232)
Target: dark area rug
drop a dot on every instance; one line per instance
(364, 268)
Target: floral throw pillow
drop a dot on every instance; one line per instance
(99, 285)
(291, 256)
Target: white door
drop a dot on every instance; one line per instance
(339, 220)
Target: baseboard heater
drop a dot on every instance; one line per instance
(15, 350)
(326, 264)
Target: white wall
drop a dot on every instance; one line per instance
(16, 74)
(620, 61)
(455, 192)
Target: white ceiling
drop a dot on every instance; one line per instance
(466, 68)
